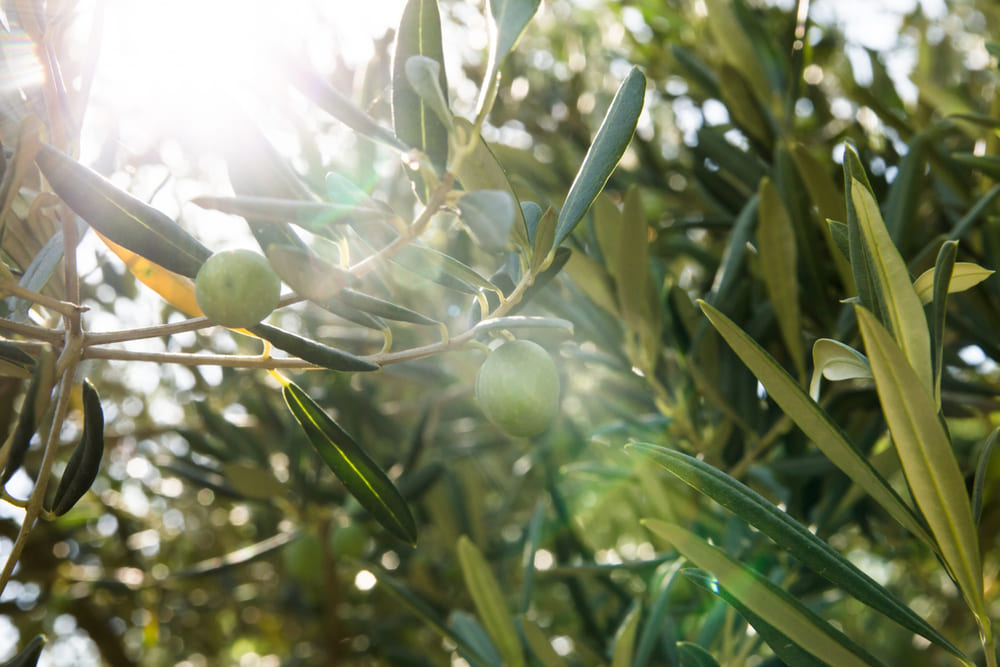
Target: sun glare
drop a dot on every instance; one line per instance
(180, 59)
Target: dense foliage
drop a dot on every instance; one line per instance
(772, 315)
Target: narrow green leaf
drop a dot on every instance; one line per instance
(631, 267)
(792, 536)
(533, 535)
(787, 650)
(859, 254)
(481, 170)
(766, 600)
(779, 265)
(314, 216)
(121, 217)
(85, 462)
(416, 124)
(489, 216)
(736, 45)
(653, 629)
(382, 308)
(625, 638)
(964, 276)
(693, 655)
(987, 164)
(841, 237)
(973, 214)
(542, 239)
(425, 612)
(607, 149)
(489, 600)
(466, 626)
(41, 268)
(943, 275)
(901, 306)
(362, 477)
(424, 75)
(540, 646)
(313, 352)
(330, 100)
(442, 269)
(29, 655)
(836, 361)
(981, 469)
(814, 421)
(927, 458)
(312, 277)
(510, 18)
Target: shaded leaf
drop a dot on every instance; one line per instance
(942, 277)
(29, 655)
(489, 215)
(540, 645)
(693, 655)
(792, 536)
(362, 477)
(814, 421)
(624, 640)
(604, 153)
(766, 600)
(489, 600)
(783, 647)
(779, 266)
(83, 465)
(466, 626)
(442, 269)
(981, 469)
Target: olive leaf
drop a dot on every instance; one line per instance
(352, 465)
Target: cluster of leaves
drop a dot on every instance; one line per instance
(228, 535)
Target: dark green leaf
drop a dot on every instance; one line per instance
(313, 352)
(943, 268)
(362, 477)
(83, 465)
(790, 535)
(813, 420)
(489, 600)
(693, 655)
(981, 468)
(29, 655)
(777, 607)
(121, 217)
(608, 146)
(783, 647)
(468, 628)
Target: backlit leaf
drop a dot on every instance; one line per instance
(836, 361)
(964, 276)
(607, 149)
(813, 420)
(757, 593)
(359, 473)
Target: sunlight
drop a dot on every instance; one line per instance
(180, 60)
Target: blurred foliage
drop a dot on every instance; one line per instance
(215, 531)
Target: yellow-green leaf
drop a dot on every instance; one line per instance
(963, 276)
(489, 600)
(900, 304)
(778, 261)
(927, 457)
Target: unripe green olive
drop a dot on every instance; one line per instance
(518, 388)
(237, 288)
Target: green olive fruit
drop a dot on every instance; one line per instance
(518, 388)
(237, 288)
(348, 541)
(303, 558)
